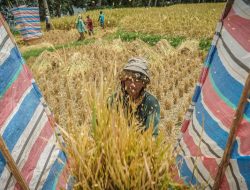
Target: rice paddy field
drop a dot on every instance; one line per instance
(77, 78)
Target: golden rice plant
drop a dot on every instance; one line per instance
(188, 20)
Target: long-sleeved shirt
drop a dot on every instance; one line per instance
(147, 112)
(80, 26)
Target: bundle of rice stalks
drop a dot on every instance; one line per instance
(109, 153)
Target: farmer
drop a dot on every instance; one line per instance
(90, 26)
(134, 97)
(101, 19)
(80, 27)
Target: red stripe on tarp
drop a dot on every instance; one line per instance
(239, 28)
(36, 151)
(212, 167)
(31, 37)
(226, 114)
(13, 95)
(203, 75)
(23, 25)
(185, 125)
(27, 19)
(26, 13)
(209, 163)
(193, 148)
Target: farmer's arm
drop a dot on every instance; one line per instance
(153, 117)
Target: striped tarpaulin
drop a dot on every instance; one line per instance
(207, 123)
(29, 21)
(25, 126)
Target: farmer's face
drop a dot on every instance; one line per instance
(133, 87)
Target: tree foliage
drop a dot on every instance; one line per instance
(59, 7)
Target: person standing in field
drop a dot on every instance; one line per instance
(135, 100)
(90, 26)
(101, 19)
(80, 26)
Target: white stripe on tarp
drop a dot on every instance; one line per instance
(21, 142)
(204, 149)
(7, 121)
(234, 45)
(198, 164)
(5, 52)
(237, 173)
(41, 162)
(3, 33)
(235, 70)
(53, 159)
(242, 9)
(230, 179)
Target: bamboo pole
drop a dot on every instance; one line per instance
(235, 125)
(3, 148)
(12, 165)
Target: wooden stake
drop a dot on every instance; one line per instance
(230, 141)
(12, 165)
(3, 148)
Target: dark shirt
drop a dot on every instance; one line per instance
(147, 112)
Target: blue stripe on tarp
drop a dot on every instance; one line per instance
(28, 21)
(25, 9)
(55, 172)
(228, 86)
(185, 172)
(244, 167)
(207, 63)
(30, 28)
(37, 90)
(20, 121)
(197, 92)
(210, 56)
(212, 129)
(23, 17)
(9, 68)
